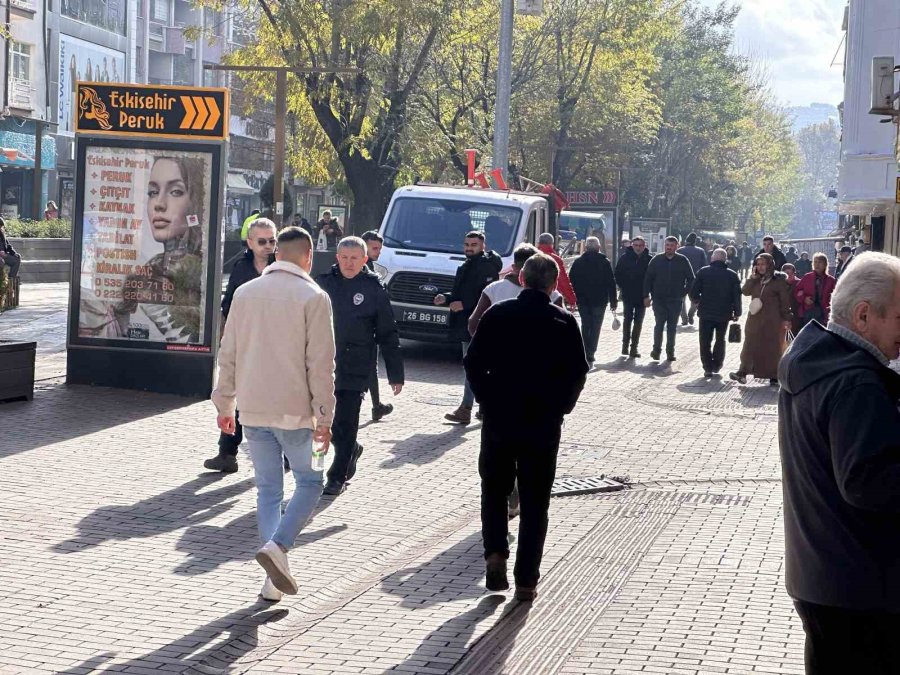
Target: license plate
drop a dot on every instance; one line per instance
(425, 317)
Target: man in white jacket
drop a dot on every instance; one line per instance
(276, 363)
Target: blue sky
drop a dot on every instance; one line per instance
(797, 40)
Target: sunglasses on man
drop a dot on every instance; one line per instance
(263, 242)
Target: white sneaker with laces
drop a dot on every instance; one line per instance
(275, 562)
(269, 593)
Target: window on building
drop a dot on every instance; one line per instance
(19, 60)
(160, 11)
(107, 14)
(183, 70)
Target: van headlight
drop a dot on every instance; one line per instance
(381, 271)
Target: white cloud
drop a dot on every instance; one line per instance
(797, 40)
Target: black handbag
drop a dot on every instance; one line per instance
(734, 332)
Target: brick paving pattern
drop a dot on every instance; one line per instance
(119, 554)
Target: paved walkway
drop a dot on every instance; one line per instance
(119, 554)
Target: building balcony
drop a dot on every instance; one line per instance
(21, 94)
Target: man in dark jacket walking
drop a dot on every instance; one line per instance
(631, 269)
(717, 293)
(260, 254)
(595, 287)
(374, 243)
(697, 257)
(363, 322)
(669, 278)
(804, 265)
(524, 399)
(839, 432)
(745, 255)
(770, 248)
(478, 270)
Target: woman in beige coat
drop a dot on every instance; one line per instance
(768, 322)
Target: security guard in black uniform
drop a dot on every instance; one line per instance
(363, 322)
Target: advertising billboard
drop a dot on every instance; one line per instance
(80, 60)
(145, 270)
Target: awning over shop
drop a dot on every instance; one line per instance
(235, 184)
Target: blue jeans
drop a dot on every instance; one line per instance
(266, 447)
(468, 395)
(591, 322)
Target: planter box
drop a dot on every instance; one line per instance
(17, 370)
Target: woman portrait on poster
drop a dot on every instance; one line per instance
(175, 211)
(170, 293)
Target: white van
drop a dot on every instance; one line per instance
(423, 232)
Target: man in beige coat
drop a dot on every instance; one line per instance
(276, 363)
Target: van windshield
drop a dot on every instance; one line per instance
(440, 225)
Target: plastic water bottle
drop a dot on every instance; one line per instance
(318, 460)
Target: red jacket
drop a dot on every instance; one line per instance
(564, 286)
(806, 288)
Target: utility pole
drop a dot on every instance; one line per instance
(281, 73)
(504, 87)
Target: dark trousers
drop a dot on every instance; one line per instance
(11, 260)
(711, 357)
(525, 451)
(591, 323)
(344, 430)
(373, 384)
(228, 444)
(632, 320)
(688, 310)
(840, 641)
(666, 314)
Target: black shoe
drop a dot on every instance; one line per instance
(479, 415)
(495, 573)
(381, 410)
(655, 355)
(351, 468)
(634, 353)
(624, 350)
(222, 462)
(691, 320)
(671, 356)
(333, 487)
(707, 374)
(773, 382)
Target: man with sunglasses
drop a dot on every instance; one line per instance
(259, 254)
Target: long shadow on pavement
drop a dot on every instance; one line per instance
(172, 510)
(211, 648)
(651, 370)
(422, 449)
(61, 413)
(209, 546)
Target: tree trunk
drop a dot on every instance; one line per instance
(372, 189)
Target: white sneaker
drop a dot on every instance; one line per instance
(275, 562)
(269, 593)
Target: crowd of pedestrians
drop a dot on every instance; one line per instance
(299, 354)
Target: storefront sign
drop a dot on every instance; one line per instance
(592, 197)
(151, 111)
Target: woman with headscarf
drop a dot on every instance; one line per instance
(768, 321)
(732, 260)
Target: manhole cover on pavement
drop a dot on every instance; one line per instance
(584, 486)
(723, 398)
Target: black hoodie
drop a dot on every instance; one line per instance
(630, 272)
(839, 432)
(471, 278)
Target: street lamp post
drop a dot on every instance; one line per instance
(504, 87)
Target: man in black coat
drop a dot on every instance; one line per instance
(595, 287)
(631, 269)
(697, 257)
(845, 257)
(839, 432)
(374, 244)
(803, 265)
(478, 270)
(260, 253)
(717, 292)
(363, 323)
(524, 398)
(669, 278)
(770, 248)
